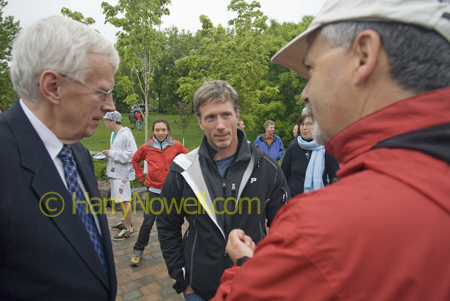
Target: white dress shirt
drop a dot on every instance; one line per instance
(53, 146)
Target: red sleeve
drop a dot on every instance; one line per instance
(281, 269)
(138, 156)
(183, 149)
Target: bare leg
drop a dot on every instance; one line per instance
(126, 211)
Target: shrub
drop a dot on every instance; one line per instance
(100, 169)
(100, 173)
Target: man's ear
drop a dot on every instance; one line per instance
(199, 122)
(366, 47)
(49, 84)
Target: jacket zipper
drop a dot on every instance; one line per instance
(224, 189)
(285, 195)
(233, 195)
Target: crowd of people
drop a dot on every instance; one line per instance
(358, 209)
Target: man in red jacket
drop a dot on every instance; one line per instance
(379, 90)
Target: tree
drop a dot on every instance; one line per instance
(177, 44)
(77, 16)
(8, 31)
(289, 84)
(239, 55)
(138, 42)
(185, 110)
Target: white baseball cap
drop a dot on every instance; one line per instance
(429, 14)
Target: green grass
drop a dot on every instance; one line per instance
(100, 140)
(192, 137)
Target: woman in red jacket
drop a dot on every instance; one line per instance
(159, 152)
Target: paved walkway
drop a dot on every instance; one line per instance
(149, 281)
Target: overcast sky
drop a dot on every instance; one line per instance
(184, 14)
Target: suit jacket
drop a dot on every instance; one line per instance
(45, 250)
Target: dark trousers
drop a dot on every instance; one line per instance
(147, 224)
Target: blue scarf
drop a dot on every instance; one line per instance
(316, 165)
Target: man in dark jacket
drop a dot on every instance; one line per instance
(132, 119)
(224, 184)
(63, 72)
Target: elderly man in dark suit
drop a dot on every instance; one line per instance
(55, 243)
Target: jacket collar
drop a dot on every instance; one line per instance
(243, 150)
(169, 140)
(410, 114)
(262, 137)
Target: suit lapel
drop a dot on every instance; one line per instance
(52, 192)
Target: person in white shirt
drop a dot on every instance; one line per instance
(120, 170)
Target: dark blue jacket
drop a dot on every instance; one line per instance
(46, 254)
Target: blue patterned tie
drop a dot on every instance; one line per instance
(70, 173)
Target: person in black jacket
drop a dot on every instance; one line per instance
(224, 184)
(303, 168)
(63, 72)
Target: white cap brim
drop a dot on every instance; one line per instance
(293, 54)
(431, 15)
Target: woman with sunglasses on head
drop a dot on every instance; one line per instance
(306, 165)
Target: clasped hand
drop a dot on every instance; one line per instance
(239, 245)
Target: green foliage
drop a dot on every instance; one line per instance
(100, 169)
(77, 16)
(185, 111)
(138, 43)
(8, 31)
(135, 184)
(239, 55)
(161, 67)
(289, 84)
(176, 44)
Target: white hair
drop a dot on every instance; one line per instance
(55, 43)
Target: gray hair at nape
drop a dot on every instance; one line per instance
(419, 59)
(55, 43)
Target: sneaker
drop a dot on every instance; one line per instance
(120, 226)
(135, 260)
(124, 234)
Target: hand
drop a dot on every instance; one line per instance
(97, 154)
(239, 245)
(188, 290)
(105, 152)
